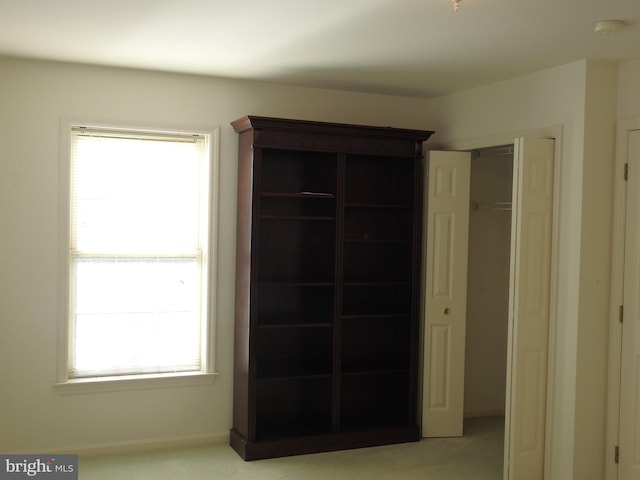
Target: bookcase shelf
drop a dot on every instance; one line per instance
(327, 286)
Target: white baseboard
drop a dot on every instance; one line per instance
(136, 445)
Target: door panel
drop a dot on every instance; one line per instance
(629, 458)
(445, 293)
(532, 220)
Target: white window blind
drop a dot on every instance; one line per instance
(138, 252)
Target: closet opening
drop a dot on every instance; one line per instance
(488, 299)
(489, 250)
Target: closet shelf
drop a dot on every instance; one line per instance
(378, 316)
(378, 241)
(321, 195)
(297, 217)
(392, 206)
(374, 372)
(391, 283)
(291, 326)
(274, 376)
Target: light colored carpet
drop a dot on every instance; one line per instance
(476, 456)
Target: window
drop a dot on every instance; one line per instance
(138, 253)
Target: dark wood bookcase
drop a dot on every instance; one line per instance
(327, 286)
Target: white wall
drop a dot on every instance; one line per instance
(595, 269)
(33, 97)
(578, 99)
(628, 96)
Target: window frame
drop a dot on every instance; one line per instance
(207, 374)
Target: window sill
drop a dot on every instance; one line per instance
(133, 382)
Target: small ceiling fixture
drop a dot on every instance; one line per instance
(456, 5)
(609, 27)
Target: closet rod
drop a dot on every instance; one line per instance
(490, 206)
(494, 151)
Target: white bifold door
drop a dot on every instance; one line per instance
(529, 292)
(445, 296)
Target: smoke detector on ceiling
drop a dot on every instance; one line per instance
(609, 27)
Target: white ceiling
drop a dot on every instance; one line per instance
(401, 47)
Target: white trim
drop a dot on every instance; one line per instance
(136, 445)
(617, 293)
(63, 384)
(64, 186)
(502, 139)
(553, 299)
(554, 132)
(208, 361)
(133, 382)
